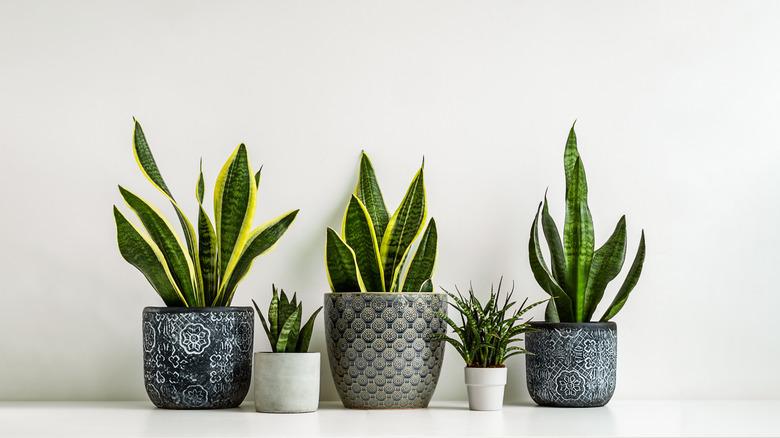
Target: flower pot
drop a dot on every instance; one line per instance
(572, 364)
(287, 382)
(485, 387)
(197, 358)
(381, 347)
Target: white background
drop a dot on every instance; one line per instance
(677, 107)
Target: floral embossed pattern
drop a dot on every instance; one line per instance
(197, 358)
(380, 348)
(572, 365)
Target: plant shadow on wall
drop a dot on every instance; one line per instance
(574, 360)
(197, 351)
(380, 319)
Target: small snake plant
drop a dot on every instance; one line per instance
(579, 275)
(371, 251)
(283, 326)
(205, 271)
(487, 331)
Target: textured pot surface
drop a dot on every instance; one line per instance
(197, 358)
(287, 382)
(573, 364)
(380, 347)
(485, 388)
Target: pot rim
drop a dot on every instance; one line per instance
(156, 309)
(552, 325)
(391, 294)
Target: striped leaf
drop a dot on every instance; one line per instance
(207, 254)
(404, 226)
(292, 338)
(605, 266)
(284, 333)
(423, 262)
(542, 275)
(175, 254)
(367, 190)
(340, 264)
(305, 336)
(557, 256)
(577, 238)
(261, 240)
(358, 232)
(200, 187)
(273, 317)
(628, 284)
(263, 321)
(146, 256)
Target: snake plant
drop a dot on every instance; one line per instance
(579, 275)
(370, 253)
(205, 270)
(487, 331)
(283, 326)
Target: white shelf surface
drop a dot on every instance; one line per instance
(442, 419)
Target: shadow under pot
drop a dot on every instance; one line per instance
(572, 364)
(197, 358)
(381, 347)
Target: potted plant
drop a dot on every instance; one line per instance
(381, 320)
(287, 380)
(574, 358)
(486, 337)
(198, 349)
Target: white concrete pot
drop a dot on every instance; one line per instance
(287, 382)
(485, 387)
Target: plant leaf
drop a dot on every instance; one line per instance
(557, 256)
(144, 254)
(358, 232)
(542, 274)
(367, 190)
(424, 260)
(200, 187)
(284, 333)
(577, 239)
(292, 338)
(427, 286)
(340, 264)
(628, 284)
(207, 253)
(551, 313)
(305, 336)
(263, 321)
(273, 317)
(606, 265)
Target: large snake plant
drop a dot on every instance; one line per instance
(579, 275)
(205, 271)
(370, 253)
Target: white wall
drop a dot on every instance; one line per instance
(677, 103)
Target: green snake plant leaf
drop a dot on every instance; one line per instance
(305, 336)
(146, 256)
(257, 176)
(404, 226)
(295, 331)
(367, 190)
(577, 239)
(263, 321)
(551, 312)
(260, 241)
(628, 284)
(424, 260)
(340, 264)
(200, 187)
(426, 286)
(145, 160)
(284, 332)
(542, 275)
(606, 265)
(175, 254)
(207, 253)
(234, 205)
(273, 317)
(358, 231)
(551, 234)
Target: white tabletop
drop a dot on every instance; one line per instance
(443, 419)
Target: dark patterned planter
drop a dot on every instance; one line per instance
(197, 358)
(381, 350)
(573, 364)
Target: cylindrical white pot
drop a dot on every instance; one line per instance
(485, 387)
(287, 382)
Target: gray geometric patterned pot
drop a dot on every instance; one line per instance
(197, 358)
(380, 347)
(573, 364)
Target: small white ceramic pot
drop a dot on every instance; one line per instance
(485, 388)
(287, 382)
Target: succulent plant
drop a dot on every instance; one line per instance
(487, 331)
(283, 326)
(579, 275)
(370, 253)
(206, 271)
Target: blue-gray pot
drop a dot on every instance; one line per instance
(381, 347)
(197, 358)
(572, 364)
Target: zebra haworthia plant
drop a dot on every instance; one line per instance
(283, 326)
(206, 269)
(370, 253)
(579, 275)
